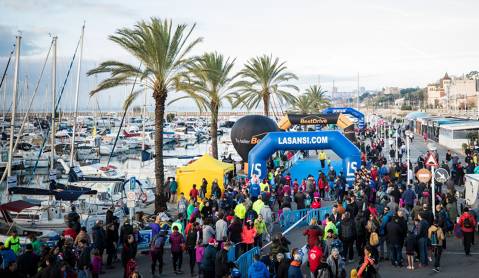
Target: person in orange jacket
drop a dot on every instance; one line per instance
(468, 225)
(248, 234)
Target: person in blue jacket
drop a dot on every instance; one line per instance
(257, 269)
(254, 191)
(7, 255)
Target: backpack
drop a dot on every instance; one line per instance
(323, 273)
(338, 244)
(374, 239)
(434, 239)
(467, 223)
(157, 242)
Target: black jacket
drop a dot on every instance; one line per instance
(85, 258)
(283, 269)
(394, 232)
(98, 234)
(128, 252)
(221, 263)
(27, 264)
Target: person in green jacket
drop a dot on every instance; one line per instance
(240, 211)
(330, 226)
(37, 244)
(261, 230)
(258, 205)
(13, 242)
(190, 209)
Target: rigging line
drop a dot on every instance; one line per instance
(8, 64)
(25, 117)
(123, 118)
(57, 105)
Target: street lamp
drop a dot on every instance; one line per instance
(396, 129)
(409, 136)
(432, 148)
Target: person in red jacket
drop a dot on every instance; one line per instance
(194, 193)
(314, 233)
(314, 258)
(468, 225)
(316, 204)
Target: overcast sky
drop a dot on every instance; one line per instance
(389, 42)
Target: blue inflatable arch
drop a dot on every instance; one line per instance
(312, 140)
(347, 110)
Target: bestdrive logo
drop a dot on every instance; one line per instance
(302, 140)
(312, 120)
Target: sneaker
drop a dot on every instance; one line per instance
(435, 270)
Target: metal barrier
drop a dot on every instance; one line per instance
(288, 218)
(245, 260)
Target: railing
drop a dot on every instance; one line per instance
(297, 156)
(288, 218)
(245, 260)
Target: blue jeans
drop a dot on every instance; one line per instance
(422, 245)
(83, 274)
(396, 251)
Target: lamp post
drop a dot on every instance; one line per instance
(396, 131)
(432, 148)
(409, 137)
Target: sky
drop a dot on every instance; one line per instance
(405, 43)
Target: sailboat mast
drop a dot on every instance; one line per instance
(54, 89)
(4, 110)
(77, 91)
(144, 119)
(14, 105)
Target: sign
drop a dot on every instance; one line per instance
(131, 204)
(424, 175)
(131, 196)
(12, 181)
(441, 175)
(431, 161)
(132, 183)
(52, 175)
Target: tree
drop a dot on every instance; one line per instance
(318, 97)
(208, 84)
(473, 75)
(161, 49)
(302, 104)
(265, 78)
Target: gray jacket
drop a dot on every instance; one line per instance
(221, 230)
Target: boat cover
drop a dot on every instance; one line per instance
(17, 206)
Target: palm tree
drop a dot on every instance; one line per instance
(162, 49)
(302, 104)
(318, 97)
(209, 83)
(265, 77)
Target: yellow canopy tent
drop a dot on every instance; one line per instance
(204, 167)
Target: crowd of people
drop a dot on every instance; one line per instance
(383, 211)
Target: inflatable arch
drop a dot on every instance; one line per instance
(347, 110)
(312, 140)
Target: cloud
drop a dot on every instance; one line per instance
(28, 46)
(61, 5)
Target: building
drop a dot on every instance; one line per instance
(463, 93)
(391, 91)
(437, 91)
(457, 93)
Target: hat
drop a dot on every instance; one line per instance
(316, 195)
(212, 241)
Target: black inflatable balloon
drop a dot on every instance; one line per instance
(248, 131)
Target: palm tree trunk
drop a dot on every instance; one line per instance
(266, 104)
(160, 99)
(214, 130)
